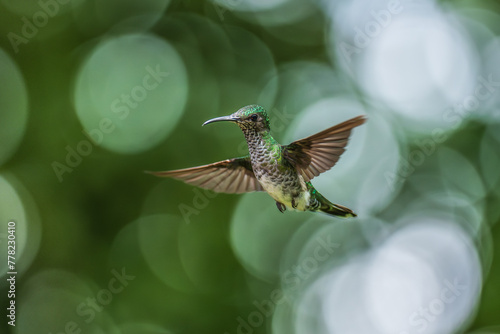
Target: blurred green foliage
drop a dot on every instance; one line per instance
(84, 111)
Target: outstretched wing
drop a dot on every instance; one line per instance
(234, 176)
(320, 152)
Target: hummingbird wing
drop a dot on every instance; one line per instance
(320, 152)
(234, 176)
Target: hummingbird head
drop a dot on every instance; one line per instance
(252, 117)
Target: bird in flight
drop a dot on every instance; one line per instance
(283, 171)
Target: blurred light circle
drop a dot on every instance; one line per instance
(54, 300)
(126, 251)
(396, 284)
(49, 310)
(308, 31)
(430, 193)
(491, 74)
(348, 17)
(250, 5)
(450, 185)
(36, 20)
(206, 51)
(301, 84)
(16, 205)
(292, 21)
(13, 107)
(159, 242)
(452, 259)
(283, 312)
(410, 66)
(490, 158)
(319, 311)
(30, 8)
(93, 16)
(117, 10)
(131, 92)
(364, 179)
(198, 245)
(480, 26)
(426, 277)
(180, 248)
(321, 243)
(252, 64)
(460, 175)
(419, 78)
(265, 13)
(272, 228)
(494, 131)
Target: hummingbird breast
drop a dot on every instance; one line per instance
(276, 175)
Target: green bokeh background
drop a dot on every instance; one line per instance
(199, 261)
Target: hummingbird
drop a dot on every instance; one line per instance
(283, 171)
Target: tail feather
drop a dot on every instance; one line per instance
(328, 207)
(336, 210)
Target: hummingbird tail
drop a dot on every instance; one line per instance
(338, 210)
(328, 207)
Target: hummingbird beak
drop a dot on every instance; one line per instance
(229, 118)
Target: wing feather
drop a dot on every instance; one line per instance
(228, 176)
(320, 152)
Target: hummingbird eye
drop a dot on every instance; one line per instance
(253, 118)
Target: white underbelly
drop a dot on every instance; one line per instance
(277, 192)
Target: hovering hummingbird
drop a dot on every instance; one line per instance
(284, 171)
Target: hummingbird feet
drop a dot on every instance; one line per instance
(281, 206)
(294, 205)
